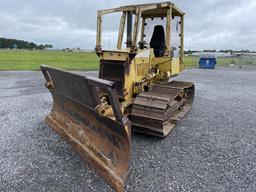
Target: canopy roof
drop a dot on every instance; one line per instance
(147, 10)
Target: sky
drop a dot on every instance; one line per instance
(209, 24)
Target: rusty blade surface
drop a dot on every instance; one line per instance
(103, 142)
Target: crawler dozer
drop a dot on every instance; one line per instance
(135, 89)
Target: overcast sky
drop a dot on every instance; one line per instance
(209, 24)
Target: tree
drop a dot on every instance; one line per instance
(41, 47)
(19, 44)
(213, 50)
(48, 46)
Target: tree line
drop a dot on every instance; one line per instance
(20, 44)
(220, 51)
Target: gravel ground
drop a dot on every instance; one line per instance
(212, 149)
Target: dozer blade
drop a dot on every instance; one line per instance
(102, 141)
(158, 111)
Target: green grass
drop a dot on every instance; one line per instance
(31, 60)
(189, 61)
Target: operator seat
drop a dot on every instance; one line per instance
(158, 41)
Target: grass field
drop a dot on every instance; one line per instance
(192, 61)
(31, 60)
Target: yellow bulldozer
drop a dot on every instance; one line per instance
(134, 90)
